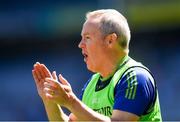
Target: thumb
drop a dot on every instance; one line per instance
(63, 80)
(54, 75)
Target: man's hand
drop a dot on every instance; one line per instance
(40, 72)
(54, 111)
(49, 88)
(60, 93)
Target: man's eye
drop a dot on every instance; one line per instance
(87, 37)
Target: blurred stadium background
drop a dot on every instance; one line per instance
(48, 31)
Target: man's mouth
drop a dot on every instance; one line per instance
(85, 56)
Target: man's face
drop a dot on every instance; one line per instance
(92, 46)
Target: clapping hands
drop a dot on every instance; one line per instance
(49, 88)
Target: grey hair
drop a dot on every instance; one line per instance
(111, 21)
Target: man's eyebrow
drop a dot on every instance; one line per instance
(84, 34)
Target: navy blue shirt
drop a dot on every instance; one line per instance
(134, 92)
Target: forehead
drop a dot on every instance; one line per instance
(90, 27)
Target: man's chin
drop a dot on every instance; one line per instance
(90, 68)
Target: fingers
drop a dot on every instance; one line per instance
(45, 70)
(51, 88)
(63, 80)
(38, 71)
(39, 66)
(51, 83)
(49, 91)
(35, 76)
(42, 70)
(54, 75)
(46, 88)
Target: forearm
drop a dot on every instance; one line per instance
(54, 112)
(83, 112)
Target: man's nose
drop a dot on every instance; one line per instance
(81, 44)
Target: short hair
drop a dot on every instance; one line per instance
(111, 21)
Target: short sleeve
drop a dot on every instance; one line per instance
(134, 91)
(84, 87)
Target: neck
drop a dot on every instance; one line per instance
(111, 66)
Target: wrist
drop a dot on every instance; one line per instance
(72, 102)
(48, 102)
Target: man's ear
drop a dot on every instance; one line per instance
(111, 39)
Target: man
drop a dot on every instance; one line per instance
(121, 88)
